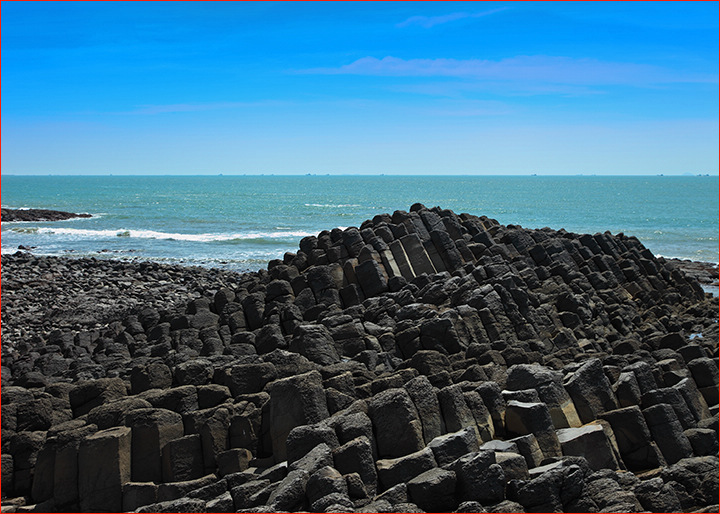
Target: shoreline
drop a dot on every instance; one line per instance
(25, 215)
(137, 280)
(706, 272)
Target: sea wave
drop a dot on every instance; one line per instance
(77, 233)
(332, 205)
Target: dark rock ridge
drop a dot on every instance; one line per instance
(38, 215)
(425, 361)
(705, 272)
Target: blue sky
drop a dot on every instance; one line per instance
(367, 87)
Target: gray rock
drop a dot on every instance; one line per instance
(152, 430)
(294, 401)
(667, 432)
(590, 391)
(433, 490)
(290, 494)
(450, 447)
(533, 418)
(703, 441)
(656, 496)
(318, 457)
(104, 467)
(356, 456)
(398, 430)
(182, 459)
(479, 478)
(325, 481)
(590, 442)
(315, 343)
(303, 439)
(633, 438)
(403, 469)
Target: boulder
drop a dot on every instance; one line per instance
(182, 399)
(316, 343)
(525, 445)
(250, 378)
(303, 439)
(552, 490)
(590, 391)
(138, 494)
(656, 496)
(403, 469)
(667, 432)
(290, 493)
(514, 465)
(397, 427)
(233, 460)
(113, 413)
(533, 418)
(671, 396)
(703, 441)
(87, 395)
(152, 429)
(317, 458)
(455, 411)
(590, 442)
(182, 459)
(356, 456)
(548, 384)
(104, 466)
(450, 447)
(294, 401)
(325, 481)
(433, 490)
(633, 437)
(479, 478)
(372, 278)
(695, 400)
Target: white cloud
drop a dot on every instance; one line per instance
(430, 21)
(537, 69)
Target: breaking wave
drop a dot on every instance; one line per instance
(76, 233)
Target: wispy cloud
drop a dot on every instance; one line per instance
(430, 21)
(198, 107)
(538, 69)
(461, 88)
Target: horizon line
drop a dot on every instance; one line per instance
(668, 174)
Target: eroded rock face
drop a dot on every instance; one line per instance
(422, 361)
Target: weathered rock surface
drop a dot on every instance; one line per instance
(424, 360)
(39, 215)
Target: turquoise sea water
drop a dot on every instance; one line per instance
(241, 222)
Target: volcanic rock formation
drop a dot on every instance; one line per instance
(425, 361)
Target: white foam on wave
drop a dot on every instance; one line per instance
(79, 233)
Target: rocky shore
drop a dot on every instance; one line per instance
(425, 361)
(38, 215)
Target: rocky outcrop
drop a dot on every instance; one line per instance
(424, 361)
(38, 215)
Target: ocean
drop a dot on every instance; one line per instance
(242, 222)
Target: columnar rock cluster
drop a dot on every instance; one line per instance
(425, 361)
